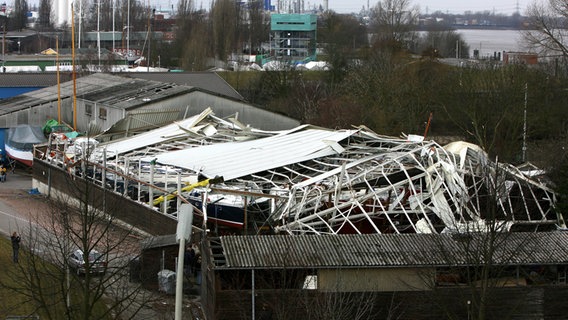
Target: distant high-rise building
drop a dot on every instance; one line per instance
(62, 10)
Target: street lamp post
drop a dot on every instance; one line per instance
(183, 233)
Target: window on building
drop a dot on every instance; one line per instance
(103, 113)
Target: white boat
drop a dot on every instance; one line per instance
(20, 142)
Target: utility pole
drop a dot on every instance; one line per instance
(183, 234)
(457, 49)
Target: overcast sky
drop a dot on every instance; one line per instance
(451, 6)
(506, 7)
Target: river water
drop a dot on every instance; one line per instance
(490, 41)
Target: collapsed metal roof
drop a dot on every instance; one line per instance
(320, 181)
(253, 156)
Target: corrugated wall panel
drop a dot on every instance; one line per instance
(378, 250)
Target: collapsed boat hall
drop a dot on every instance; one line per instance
(303, 181)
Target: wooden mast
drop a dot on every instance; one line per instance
(428, 125)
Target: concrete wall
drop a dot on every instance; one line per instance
(52, 181)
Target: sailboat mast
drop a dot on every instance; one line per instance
(128, 33)
(73, 69)
(113, 26)
(99, 30)
(58, 81)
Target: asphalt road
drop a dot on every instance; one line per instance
(10, 218)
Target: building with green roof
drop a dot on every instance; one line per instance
(293, 37)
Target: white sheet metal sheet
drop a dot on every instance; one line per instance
(153, 137)
(237, 159)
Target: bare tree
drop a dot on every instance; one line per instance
(547, 32)
(342, 36)
(132, 11)
(45, 8)
(393, 21)
(195, 51)
(99, 15)
(225, 21)
(80, 219)
(192, 37)
(485, 251)
(559, 175)
(19, 17)
(258, 26)
(443, 43)
(491, 112)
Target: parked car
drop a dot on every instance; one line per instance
(97, 263)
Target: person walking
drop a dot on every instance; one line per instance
(15, 246)
(188, 261)
(2, 173)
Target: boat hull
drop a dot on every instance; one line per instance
(229, 216)
(22, 156)
(20, 142)
(229, 210)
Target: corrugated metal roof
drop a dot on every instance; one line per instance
(209, 81)
(390, 250)
(40, 80)
(131, 93)
(120, 92)
(237, 159)
(84, 85)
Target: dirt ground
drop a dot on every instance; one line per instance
(15, 193)
(24, 203)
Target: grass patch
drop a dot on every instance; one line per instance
(11, 304)
(36, 287)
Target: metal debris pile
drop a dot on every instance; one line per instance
(312, 180)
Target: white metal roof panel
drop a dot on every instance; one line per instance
(152, 137)
(237, 159)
